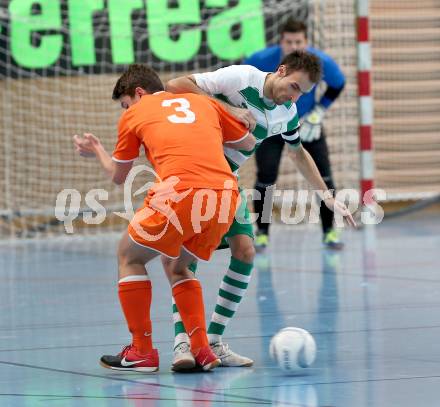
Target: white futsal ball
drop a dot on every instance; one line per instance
(293, 349)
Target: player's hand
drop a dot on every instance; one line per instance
(244, 116)
(86, 146)
(310, 129)
(340, 208)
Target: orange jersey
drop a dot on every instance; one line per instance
(182, 136)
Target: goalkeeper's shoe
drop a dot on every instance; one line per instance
(261, 241)
(131, 360)
(332, 240)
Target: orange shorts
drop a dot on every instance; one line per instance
(196, 222)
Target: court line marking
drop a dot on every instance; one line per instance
(96, 324)
(232, 338)
(347, 331)
(284, 269)
(385, 379)
(167, 386)
(54, 397)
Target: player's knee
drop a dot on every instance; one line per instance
(166, 262)
(244, 252)
(123, 258)
(249, 254)
(174, 268)
(126, 257)
(178, 273)
(122, 253)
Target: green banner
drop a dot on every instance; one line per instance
(41, 33)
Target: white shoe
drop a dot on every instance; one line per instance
(229, 358)
(183, 358)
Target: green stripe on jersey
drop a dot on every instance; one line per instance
(293, 124)
(260, 132)
(237, 158)
(252, 96)
(234, 166)
(288, 104)
(223, 98)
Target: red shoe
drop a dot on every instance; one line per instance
(206, 358)
(130, 360)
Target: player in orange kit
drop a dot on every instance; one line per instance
(183, 138)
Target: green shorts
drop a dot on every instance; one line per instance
(241, 224)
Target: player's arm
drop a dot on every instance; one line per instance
(301, 157)
(304, 161)
(306, 165)
(334, 79)
(90, 146)
(210, 84)
(247, 143)
(235, 134)
(185, 84)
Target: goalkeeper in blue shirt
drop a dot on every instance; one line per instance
(311, 111)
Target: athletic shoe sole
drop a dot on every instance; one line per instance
(183, 364)
(130, 369)
(248, 364)
(215, 363)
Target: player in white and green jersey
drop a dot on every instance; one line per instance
(242, 86)
(265, 102)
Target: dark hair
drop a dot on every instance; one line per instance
(303, 61)
(137, 75)
(293, 26)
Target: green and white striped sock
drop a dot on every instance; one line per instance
(232, 290)
(180, 334)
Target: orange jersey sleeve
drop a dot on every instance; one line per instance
(233, 130)
(127, 146)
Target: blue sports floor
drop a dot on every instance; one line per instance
(374, 310)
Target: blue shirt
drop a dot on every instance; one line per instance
(268, 60)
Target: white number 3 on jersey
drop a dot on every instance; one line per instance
(183, 108)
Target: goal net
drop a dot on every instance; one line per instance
(405, 39)
(59, 61)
